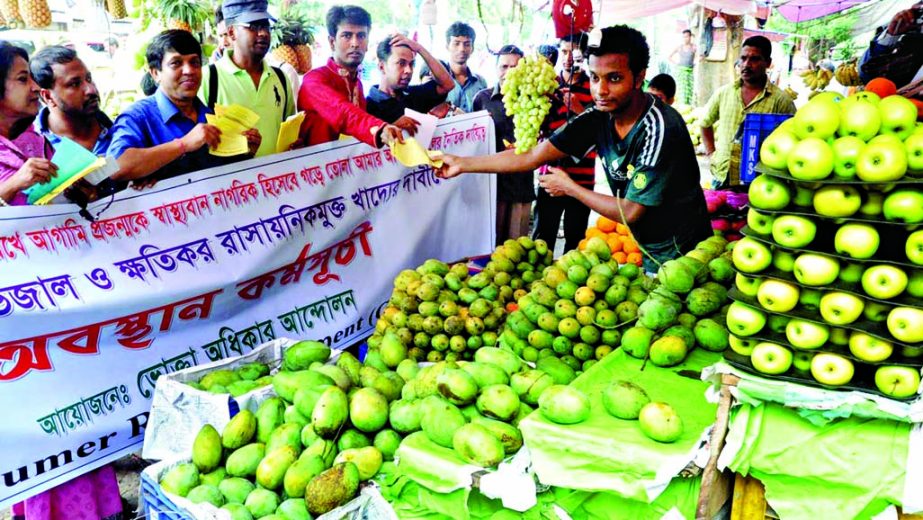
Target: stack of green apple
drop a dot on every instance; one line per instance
(575, 311)
(440, 312)
(687, 307)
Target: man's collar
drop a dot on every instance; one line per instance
(41, 122)
(768, 88)
(341, 71)
(496, 91)
(227, 64)
(376, 95)
(471, 76)
(168, 110)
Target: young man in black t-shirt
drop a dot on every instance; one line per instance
(637, 137)
(396, 58)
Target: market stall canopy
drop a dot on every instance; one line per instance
(804, 10)
(771, 35)
(631, 9)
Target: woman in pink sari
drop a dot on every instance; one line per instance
(25, 160)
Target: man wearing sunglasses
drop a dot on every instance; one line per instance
(243, 75)
(635, 136)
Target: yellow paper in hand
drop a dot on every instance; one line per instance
(289, 131)
(232, 141)
(411, 153)
(239, 114)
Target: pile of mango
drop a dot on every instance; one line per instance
(574, 312)
(239, 381)
(687, 307)
(439, 312)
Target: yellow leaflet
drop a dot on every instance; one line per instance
(289, 131)
(239, 114)
(411, 153)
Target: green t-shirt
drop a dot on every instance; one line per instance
(654, 165)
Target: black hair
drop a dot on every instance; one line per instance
(219, 15)
(148, 85)
(578, 38)
(459, 29)
(351, 14)
(384, 48)
(41, 63)
(510, 49)
(175, 40)
(760, 43)
(550, 52)
(687, 31)
(8, 54)
(622, 39)
(665, 84)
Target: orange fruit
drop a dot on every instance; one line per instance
(594, 232)
(620, 257)
(511, 307)
(605, 224)
(919, 105)
(615, 243)
(582, 245)
(629, 246)
(634, 258)
(621, 229)
(884, 87)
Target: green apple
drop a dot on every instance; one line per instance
(803, 197)
(864, 96)
(816, 269)
(845, 154)
(885, 138)
(771, 358)
(839, 336)
(859, 120)
(660, 422)
(914, 147)
(742, 346)
(851, 272)
(751, 255)
(898, 116)
(906, 324)
(915, 284)
(904, 205)
(897, 381)
(806, 334)
(810, 160)
(793, 231)
(873, 204)
(911, 352)
(778, 296)
(856, 240)
(801, 361)
(882, 161)
(884, 281)
(819, 119)
(810, 299)
(760, 223)
(869, 348)
(783, 260)
(776, 147)
(914, 247)
(837, 200)
(748, 285)
(744, 320)
(777, 323)
(876, 311)
(828, 95)
(766, 192)
(840, 308)
(832, 369)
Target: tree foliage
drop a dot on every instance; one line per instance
(822, 34)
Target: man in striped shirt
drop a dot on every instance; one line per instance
(637, 137)
(572, 97)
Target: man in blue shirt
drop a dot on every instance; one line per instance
(166, 135)
(459, 40)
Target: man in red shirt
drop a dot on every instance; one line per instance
(332, 96)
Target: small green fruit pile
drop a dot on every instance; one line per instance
(239, 381)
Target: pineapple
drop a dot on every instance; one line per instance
(287, 54)
(186, 15)
(116, 9)
(35, 13)
(291, 40)
(10, 11)
(304, 58)
(176, 23)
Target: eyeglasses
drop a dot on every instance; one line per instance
(261, 25)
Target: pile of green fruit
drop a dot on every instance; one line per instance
(686, 308)
(658, 421)
(575, 310)
(239, 381)
(440, 312)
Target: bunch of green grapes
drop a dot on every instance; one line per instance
(526, 90)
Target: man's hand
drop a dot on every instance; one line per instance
(400, 39)
(452, 166)
(441, 110)
(902, 22)
(253, 140)
(34, 171)
(299, 143)
(203, 134)
(391, 134)
(557, 182)
(143, 183)
(407, 123)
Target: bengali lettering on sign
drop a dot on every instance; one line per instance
(202, 268)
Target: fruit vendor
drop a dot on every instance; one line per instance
(664, 204)
(753, 93)
(244, 76)
(166, 135)
(396, 58)
(332, 97)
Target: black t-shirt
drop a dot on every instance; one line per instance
(511, 187)
(654, 165)
(421, 98)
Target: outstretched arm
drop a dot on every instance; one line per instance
(503, 162)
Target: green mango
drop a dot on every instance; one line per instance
(238, 388)
(337, 374)
(239, 430)
(271, 470)
(238, 511)
(235, 489)
(557, 369)
(181, 479)
(457, 386)
(387, 442)
(293, 416)
(206, 449)
(504, 359)
(206, 493)
(499, 402)
(269, 416)
(323, 448)
(564, 405)
(368, 410)
(476, 445)
(440, 420)
(308, 435)
(367, 375)
(390, 384)
(350, 365)
(300, 355)
(408, 369)
(293, 509)
(529, 385)
(261, 502)
(332, 488)
(485, 374)
(252, 371)
(286, 384)
(330, 412)
(300, 473)
(288, 434)
(368, 460)
(222, 377)
(214, 477)
(243, 461)
(508, 435)
(405, 415)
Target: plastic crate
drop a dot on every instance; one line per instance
(755, 128)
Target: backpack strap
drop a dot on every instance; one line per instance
(212, 86)
(284, 82)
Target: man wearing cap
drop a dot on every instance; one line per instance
(244, 77)
(332, 97)
(632, 132)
